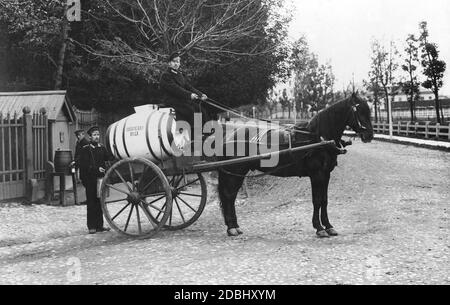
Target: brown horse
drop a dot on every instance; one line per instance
(317, 164)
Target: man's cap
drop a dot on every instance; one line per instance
(92, 129)
(77, 132)
(173, 56)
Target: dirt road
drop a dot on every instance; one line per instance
(389, 202)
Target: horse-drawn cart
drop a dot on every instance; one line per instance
(150, 188)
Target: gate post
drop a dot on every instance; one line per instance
(30, 182)
(448, 131)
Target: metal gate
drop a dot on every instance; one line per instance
(15, 149)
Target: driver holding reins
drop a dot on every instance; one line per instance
(179, 93)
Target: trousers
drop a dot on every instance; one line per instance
(94, 209)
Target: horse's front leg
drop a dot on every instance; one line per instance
(319, 185)
(228, 189)
(324, 207)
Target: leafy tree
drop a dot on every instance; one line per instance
(384, 65)
(410, 65)
(271, 102)
(284, 102)
(313, 81)
(434, 68)
(373, 86)
(114, 62)
(32, 43)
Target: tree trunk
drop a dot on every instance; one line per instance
(386, 94)
(411, 108)
(436, 102)
(375, 102)
(62, 51)
(411, 104)
(4, 44)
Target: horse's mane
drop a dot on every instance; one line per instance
(329, 121)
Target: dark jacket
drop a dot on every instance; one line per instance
(91, 158)
(176, 88)
(80, 144)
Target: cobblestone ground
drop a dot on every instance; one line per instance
(389, 203)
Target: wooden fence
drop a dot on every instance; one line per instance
(424, 130)
(23, 151)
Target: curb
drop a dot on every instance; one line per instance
(429, 144)
(405, 141)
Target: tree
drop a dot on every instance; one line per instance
(114, 62)
(34, 39)
(434, 68)
(313, 81)
(385, 65)
(373, 85)
(207, 31)
(284, 102)
(411, 62)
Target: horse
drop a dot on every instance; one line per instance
(317, 164)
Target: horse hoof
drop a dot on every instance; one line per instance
(234, 232)
(239, 231)
(332, 232)
(322, 234)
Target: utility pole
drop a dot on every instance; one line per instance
(353, 82)
(391, 131)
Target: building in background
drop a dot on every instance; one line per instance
(59, 110)
(47, 138)
(424, 106)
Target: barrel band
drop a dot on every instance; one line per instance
(147, 137)
(123, 137)
(160, 135)
(115, 143)
(169, 129)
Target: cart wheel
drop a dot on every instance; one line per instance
(133, 192)
(189, 195)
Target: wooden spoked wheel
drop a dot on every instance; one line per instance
(189, 193)
(134, 193)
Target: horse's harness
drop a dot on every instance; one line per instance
(291, 129)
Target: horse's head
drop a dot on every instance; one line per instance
(359, 119)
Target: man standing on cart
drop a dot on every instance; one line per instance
(179, 93)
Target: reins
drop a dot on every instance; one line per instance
(223, 107)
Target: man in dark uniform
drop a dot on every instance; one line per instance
(180, 95)
(81, 141)
(92, 163)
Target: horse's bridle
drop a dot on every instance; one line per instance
(354, 110)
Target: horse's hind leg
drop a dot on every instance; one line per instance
(228, 189)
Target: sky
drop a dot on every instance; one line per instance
(341, 31)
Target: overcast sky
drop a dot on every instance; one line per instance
(341, 30)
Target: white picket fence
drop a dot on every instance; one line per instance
(425, 130)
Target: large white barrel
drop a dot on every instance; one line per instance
(147, 134)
